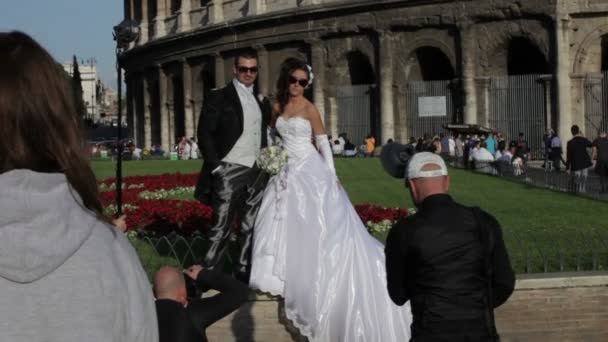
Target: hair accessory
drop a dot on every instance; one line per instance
(311, 76)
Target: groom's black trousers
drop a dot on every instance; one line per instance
(236, 195)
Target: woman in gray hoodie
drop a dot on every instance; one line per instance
(65, 273)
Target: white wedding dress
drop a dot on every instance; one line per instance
(311, 248)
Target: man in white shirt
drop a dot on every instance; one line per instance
(232, 129)
(483, 159)
(337, 148)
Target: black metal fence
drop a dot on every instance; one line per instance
(542, 177)
(531, 251)
(421, 122)
(518, 104)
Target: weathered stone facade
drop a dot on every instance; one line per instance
(187, 46)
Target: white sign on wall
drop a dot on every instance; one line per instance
(432, 106)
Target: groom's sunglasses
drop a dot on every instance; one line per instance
(302, 82)
(244, 69)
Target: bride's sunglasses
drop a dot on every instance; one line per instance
(302, 82)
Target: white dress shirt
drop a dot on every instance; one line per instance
(247, 147)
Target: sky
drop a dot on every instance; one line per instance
(68, 27)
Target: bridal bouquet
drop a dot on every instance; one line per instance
(272, 159)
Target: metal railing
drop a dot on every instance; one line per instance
(548, 178)
(531, 251)
(517, 104)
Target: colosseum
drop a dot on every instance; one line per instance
(395, 69)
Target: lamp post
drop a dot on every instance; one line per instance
(124, 33)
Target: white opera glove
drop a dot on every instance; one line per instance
(323, 146)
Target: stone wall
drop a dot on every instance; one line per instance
(558, 307)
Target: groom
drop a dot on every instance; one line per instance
(231, 131)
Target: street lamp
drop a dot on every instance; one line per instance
(124, 33)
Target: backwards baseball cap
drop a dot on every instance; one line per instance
(419, 160)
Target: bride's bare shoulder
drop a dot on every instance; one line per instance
(311, 110)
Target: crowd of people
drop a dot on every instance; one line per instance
(493, 154)
(343, 147)
(187, 149)
(484, 153)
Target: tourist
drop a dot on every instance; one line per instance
(491, 143)
(523, 147)
(578, 161)
(555, 152)
(194, 150)
(517, 160)
(483, 159)
(600, 155)
(350, 150)
(444, 141)
(420, 145)
(370, 143)
(66, 273)
(337, 148)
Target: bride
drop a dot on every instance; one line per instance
(310, 246)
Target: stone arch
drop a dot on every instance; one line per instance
(494, 41)
(175, 6)
(589, 56)
(357, 46)
(155, 106)
(179, 112)
(360, 68)
(345, 70)
(151, 9)
(517, 55)
(525, 58)
(431, 46)
(356, 94)
(137, 10)
(282, 54)
(604, 46)
(204, 82)
(429, 63)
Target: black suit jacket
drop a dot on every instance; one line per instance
(219, 127)
(179, 324)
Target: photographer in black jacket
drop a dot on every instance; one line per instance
(183, 319)
(448, 260)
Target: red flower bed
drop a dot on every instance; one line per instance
(163, 216)
(376, 213)
(152, 183)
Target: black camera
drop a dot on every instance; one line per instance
(395, 157)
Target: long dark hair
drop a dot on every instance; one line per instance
(40, 129)
(287, 68)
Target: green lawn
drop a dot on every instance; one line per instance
(538, 224)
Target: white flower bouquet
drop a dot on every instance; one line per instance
(272, 159)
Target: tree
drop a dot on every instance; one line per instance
(77, 89)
